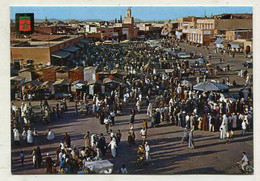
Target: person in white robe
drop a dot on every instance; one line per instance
(234, 121)
(198, 79)
(147, 151)
(50, 135)
(93, 140)
(223, 131)
(138, 105)
(125, 98)
(243, 125)
(29, 136)
(225, 122)
(150, 109)
(140, 97)
(24, 134)
(113, 147)
(34, 157)
(16, 136)
(62, 146)
(13, 108)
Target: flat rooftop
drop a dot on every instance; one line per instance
(41, 40)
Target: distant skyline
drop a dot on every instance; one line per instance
(145, 13)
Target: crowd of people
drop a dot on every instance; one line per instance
(168, 96)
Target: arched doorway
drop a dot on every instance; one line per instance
(248, 49)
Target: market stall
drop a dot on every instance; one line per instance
(101, 166)
(210, 86)
(62, 88)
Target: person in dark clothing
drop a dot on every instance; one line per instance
(67, 140)
(133, 112)
(45, 103)
(132, 119)
(48, 164)
(52, 114)
(101, 144)
(101, 117)
(58, 110)
(157, 119)
(118, 137)
(58, 150)
(38, 157)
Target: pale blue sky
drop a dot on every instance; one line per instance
(112, 12)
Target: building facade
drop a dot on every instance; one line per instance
(41, 52)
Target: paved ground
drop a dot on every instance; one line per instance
(211, 156)
(169, 156)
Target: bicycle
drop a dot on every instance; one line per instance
(248, 168)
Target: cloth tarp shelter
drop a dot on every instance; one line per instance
(60, 82)
(101, 166)
(61, 54)
(219, 41)
(33, 83)
(219, 45)
(81, 45)
(202, 60)
(78, 84)
(210, 86)
(98, 43)
(85, 41)
(118, 71)
(18, 79)
(71, 48)
(109, 42)
(103, 73)
(169, 70)
(99, 82)
(47, 84)
(114, 80)
(125, 42)
(234, 45)
(186, 83)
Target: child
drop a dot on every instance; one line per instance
(22, 157)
